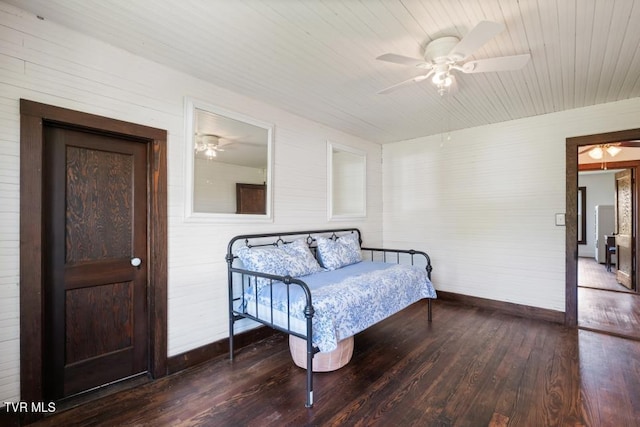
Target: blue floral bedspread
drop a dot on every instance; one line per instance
(350, 299)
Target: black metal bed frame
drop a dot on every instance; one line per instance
(248, 277)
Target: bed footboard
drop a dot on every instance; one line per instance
(399, 256)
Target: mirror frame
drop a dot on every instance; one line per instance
(190, 118)
(331, 147)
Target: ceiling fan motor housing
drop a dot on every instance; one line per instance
(208, 138)
(440, 50)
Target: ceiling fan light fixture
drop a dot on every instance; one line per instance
(442, 80)
(596, 153)
(613, 151)
(210, 153)
(439, 77)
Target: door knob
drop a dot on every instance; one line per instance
(136, 262)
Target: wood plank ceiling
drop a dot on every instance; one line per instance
(317, 58)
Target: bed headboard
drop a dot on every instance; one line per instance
(274, 239)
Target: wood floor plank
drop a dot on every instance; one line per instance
(591, 274)
(469, 367)
(616, 313)
(610, 379)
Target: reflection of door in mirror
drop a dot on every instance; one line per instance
(251, 198)
(582, 215)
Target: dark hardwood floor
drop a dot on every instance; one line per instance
(593, 275)
(615, 313)
(604, 305)
(469, 367)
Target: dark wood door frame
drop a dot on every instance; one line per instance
(571, 212)
(33, 117)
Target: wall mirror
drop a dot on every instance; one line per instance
(229, 162)
(347, 172)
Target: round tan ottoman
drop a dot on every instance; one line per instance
(322, 361)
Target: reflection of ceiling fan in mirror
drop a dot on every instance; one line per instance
(209, 145)
(444, 55)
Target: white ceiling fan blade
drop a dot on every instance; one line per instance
(405, 83)
(224, 141)
(404, 60)
(475, 39)
(501, 63)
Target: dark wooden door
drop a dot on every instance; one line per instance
(95, 302)
(624, 226)
(251, 198)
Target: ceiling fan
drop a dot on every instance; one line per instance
(208, 144)
(597, 152)
(444, 55)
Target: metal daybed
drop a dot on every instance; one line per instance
(321, 285)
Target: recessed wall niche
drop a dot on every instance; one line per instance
(347, 173)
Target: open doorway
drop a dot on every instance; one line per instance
(602, 257)
(605, 226)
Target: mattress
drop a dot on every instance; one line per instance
(346, 301)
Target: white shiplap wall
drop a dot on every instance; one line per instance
(483, 204)
(47, 63)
